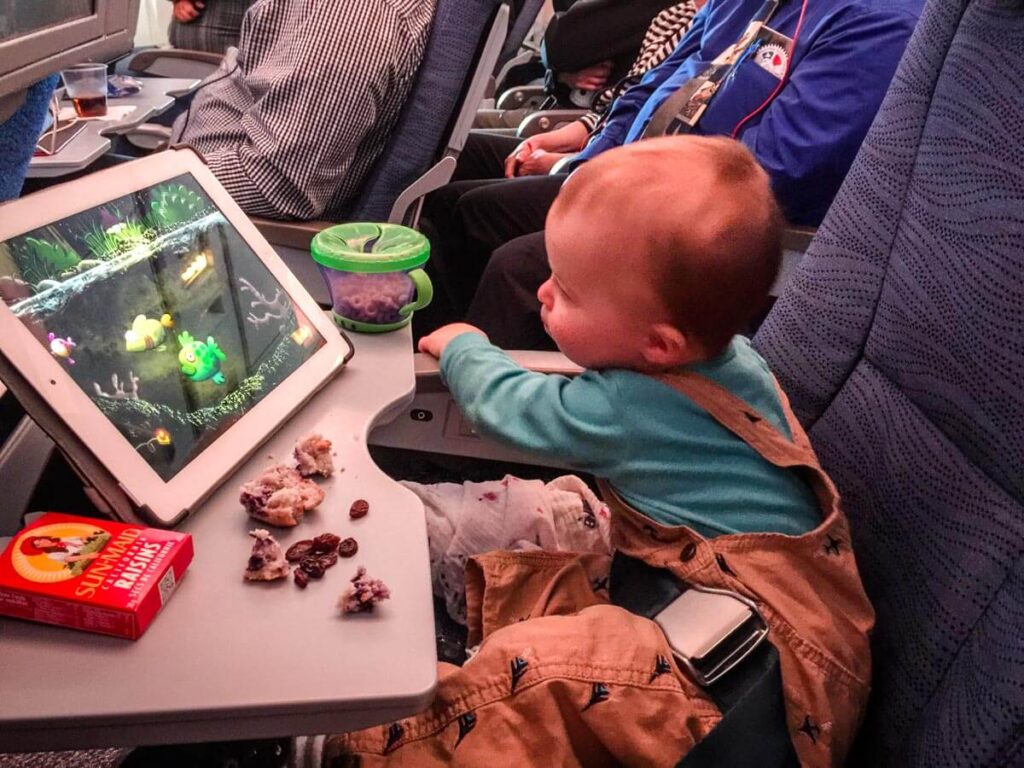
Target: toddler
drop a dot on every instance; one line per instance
(660, 253)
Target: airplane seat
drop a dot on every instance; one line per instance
(18, 136)
(900, 341)
(424, 145)
(518, 48)
(432, 111)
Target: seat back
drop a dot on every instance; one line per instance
(18, 135)
(900, 341)
(450, 82)
(521, 26)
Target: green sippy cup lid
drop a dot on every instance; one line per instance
(364, 247)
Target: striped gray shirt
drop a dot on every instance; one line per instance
(294, 127)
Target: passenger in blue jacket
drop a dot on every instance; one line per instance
(798, 83)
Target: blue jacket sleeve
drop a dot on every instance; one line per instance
(574, 420)
(624, 110)
(809, 135)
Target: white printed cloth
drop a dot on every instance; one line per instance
(472, 518)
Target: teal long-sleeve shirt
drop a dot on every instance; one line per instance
(661, 452)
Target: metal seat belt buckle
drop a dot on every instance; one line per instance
(710, 631)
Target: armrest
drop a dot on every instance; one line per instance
(290, 234)
(148, 136)
(175, 62)
(797, 238)
(523, 57)
(795, 241)
(497, 131)
(548, 120)
(499, 119)
(433, 422)
(521, 96)
(426, 366)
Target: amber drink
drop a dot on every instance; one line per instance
(86, 85)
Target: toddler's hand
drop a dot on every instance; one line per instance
(435, 343)
(186, 11)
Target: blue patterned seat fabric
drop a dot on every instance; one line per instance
(448, 61)
(18, 136)
(901, 343)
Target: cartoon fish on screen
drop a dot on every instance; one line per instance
(200, 360)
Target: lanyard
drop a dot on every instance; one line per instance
(682, 110)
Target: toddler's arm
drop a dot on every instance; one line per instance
(576, 420)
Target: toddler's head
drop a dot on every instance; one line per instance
(660, 252)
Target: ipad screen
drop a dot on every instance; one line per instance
(161, 313)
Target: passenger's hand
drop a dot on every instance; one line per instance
(434, 343)
(539, 163)
(520, 153)
(592, 78)
(186, 11)
(568, 139)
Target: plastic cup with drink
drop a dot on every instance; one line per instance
(86, 85)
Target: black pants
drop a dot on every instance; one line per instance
(505, 306)
(474, 215)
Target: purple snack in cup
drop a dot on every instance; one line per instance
(374, 273)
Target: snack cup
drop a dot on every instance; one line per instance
(374, 275)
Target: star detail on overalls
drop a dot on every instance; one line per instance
(724, 566)
(598, 693)
(518, 666)
(467, 723)
(832, 544)
(394, 736)
(809, 728)
(661, 666)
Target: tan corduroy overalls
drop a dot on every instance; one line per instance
(562, 678)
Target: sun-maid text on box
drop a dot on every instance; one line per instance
(94, 575)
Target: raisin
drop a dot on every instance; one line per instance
(327, 559)
(298, 550)
(348, 547)
(301, 578)
(359, 508)
(255, 563)
(312, 566)
(326, 542)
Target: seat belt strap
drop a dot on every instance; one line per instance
(752, 732)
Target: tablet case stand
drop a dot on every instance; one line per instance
(100, 485)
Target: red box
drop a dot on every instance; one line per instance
(95, 575)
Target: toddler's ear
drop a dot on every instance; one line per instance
(667, 347)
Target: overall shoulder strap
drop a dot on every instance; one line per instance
(738, 417)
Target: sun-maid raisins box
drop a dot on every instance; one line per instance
(95, 575)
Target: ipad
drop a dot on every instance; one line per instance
(151, 330)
